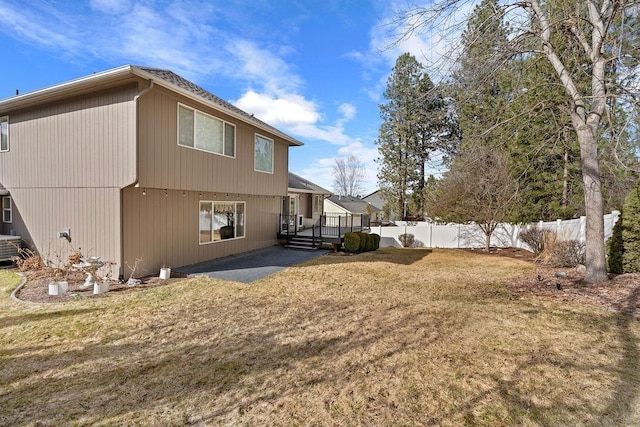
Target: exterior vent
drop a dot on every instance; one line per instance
(9, 247)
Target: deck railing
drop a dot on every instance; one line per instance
(328, 225)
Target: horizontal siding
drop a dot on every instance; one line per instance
(85, 142)
(91, 214)
(166, 165)
(161, 228)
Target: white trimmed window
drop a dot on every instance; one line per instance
(204, 132)
(263, 157)
(4, 133)
(221, 221)
(6, 210)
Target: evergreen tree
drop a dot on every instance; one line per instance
(482, 89)
(631, 232)
(397, 138)
(416, 124)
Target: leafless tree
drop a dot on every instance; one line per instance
(478, 188)
(348, 176)
(584, 29)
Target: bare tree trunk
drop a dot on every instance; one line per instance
(565, 180)
(595, 247)
(586, 119)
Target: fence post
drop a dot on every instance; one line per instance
(431, 235)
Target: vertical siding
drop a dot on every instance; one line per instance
(83, 142)
(91, 214)
(162, 230)
(165, 164)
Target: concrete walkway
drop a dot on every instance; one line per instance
(251, 266)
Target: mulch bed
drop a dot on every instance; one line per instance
(36, 288)
(621, 294)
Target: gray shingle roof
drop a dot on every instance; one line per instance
(299, 183)
(353, 204)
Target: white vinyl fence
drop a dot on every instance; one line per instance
(470, 236)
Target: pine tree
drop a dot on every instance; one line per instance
(481, 86)
(397, 172)
(416, 124)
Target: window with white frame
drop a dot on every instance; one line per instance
(221, 221)
(263, 157)
(4, 133)
(204, 132)
(6, 210)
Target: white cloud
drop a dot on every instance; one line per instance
(297, 115)
(25, 25)
(348, 111)
(263, 67)
(114, 7)
(320, 171)
(288, 110)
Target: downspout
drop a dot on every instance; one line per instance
(136, 161)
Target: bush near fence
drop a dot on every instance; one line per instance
(361, 242)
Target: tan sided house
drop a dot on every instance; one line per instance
(137, 163)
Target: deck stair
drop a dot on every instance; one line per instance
(303, 242)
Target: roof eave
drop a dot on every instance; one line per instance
(42, 95)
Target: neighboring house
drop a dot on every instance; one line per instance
(376, 200)
(304, 203)
(351, 205)
(137, 163)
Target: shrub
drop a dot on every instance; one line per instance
(561, 253)
(631, 231)
(407, 240)
(376, 241)
(371, 243)
(364, 241)
(351, 242)
(534, 237)
(615, 248)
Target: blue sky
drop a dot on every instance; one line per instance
(314, 69)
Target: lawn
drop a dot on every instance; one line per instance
(392, 337)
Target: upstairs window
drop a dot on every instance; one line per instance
(204, 132)
(6, 210)
(263, 157)
(4, 133)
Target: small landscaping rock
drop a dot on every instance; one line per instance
(133, 282)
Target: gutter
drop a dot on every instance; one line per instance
(135, 121)
(136, 162)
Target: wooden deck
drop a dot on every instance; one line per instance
(329, 229)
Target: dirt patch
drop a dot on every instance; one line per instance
(36, 288)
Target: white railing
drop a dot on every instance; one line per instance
(470, 236)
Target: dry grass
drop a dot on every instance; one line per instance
(393, 337)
